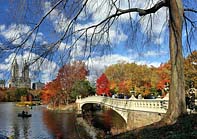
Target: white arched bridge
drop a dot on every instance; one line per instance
(125, 106)
(135, 112)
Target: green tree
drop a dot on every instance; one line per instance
(19, 92)
(81, 88)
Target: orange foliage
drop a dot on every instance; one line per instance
(59, 89)
(50, 91)
(146, 92)
(125, 86)
(161, 84)
(112, 85)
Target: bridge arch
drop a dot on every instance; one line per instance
(132, 110)
(123, 114)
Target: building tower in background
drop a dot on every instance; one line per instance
(14, 70)
(19, 82)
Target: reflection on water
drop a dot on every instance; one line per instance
(109, 121)
(61, 125)
(43, 123)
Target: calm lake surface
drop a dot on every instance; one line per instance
(43, 124)
(46, 124)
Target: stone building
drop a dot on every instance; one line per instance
(37, 85)
(19, 81)
(2, 83)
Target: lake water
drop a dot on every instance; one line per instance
(109, 121)
(46, 124)
(43, 124)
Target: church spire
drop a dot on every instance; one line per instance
(15, 69)
(25, 70)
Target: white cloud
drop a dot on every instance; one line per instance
(154, 53)
(58, 19)
(15, 32)
(109, 60)
(158, 21)
(159, 40)
(4, 67)
(117, 35)
(63, 46)
(151, 53)
(2, 27)
(98, 64)
(154, 64)
(75, 50)
(149, 64)
(99, 10)
(39, 37)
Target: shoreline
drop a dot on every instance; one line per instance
(70, 107)
(28, 103)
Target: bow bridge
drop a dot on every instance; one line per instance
(135, 112)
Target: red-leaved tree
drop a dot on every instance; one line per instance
(103, 85)
(69, 74)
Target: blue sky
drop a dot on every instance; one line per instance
(14, 23)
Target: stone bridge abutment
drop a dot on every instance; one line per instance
(141, 118)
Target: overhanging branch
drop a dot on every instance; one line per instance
(119, 12)
(190, 10)
(143, 12)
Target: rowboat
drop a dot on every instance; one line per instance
(24, 115)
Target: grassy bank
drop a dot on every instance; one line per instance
(184, 128)
(70, 107)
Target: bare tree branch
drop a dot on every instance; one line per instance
(40, 22)
(143, 12)
(190, 10)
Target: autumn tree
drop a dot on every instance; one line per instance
(132, 77)
(69, 83)
(2, 94)
(164, 71)
(69, 74)
(103, 85)
(190, 70)
(125, 87)
(51, 93)
(97, 33)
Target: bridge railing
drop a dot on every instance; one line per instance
(151, 105)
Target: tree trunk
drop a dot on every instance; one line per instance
(177, 106)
